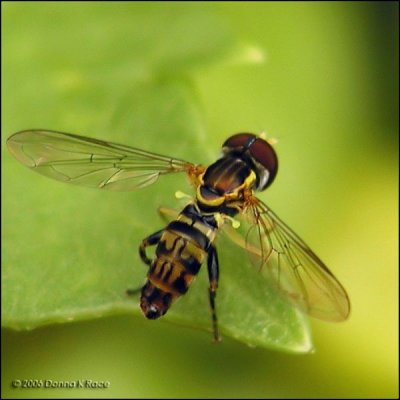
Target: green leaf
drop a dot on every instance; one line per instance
(119, 72)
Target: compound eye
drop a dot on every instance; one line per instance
(257, 152)
(264, 155)
(239, 141)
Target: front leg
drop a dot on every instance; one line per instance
(213, 275)
(149, 241)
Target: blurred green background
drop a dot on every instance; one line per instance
(323, 81)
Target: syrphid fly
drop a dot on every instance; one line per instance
(224, 194)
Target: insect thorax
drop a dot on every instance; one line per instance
(223, 185)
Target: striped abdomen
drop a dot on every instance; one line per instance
(180, 253)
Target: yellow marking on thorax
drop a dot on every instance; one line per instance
(246, 185)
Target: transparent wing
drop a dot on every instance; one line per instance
(91, 162)
(299, 273)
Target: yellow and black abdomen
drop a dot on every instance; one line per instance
(180, 252)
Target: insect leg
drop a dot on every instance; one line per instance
(240, 240)
(132, 292)
(213, 274)
(168, 214)
(149, 241)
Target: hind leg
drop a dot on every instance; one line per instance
(213, 275)
(151, 240)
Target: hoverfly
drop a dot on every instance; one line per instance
(224, 190)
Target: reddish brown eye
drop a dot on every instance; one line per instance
(264, 154)
(239, 141)
(258, 155)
